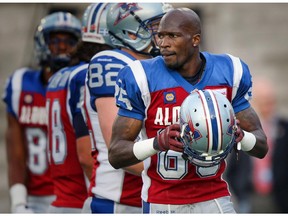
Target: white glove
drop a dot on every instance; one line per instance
(22, 208)
(18, 194)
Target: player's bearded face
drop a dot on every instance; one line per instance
(176, 50)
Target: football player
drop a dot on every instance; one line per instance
(149, 96)
(31, 187)
(69, 141)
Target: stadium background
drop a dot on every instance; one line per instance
(256, 32)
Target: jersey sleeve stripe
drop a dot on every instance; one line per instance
(141, 80)
(238, 71)
(16, 89)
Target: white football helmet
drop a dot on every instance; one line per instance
(135, 18)
(94, 28)
(208, 126)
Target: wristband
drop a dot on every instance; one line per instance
(18, 194)
(248, 141)
(144, 149)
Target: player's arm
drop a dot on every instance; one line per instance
(17, 164)
(83, 142)
(124, 132)
(83, 145)
(84, 155)
(125, 152)
(107, 112)
(254, 140)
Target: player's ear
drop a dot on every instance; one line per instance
(196, 40)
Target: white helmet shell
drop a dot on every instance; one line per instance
(94, 28)
(208, 127)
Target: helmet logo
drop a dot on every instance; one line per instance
(191, 131)
(125, 9)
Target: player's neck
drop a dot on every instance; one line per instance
(191, 67)
(194, 76)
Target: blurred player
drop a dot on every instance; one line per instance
(70, 82)
(31, 188)
(67, 174)
(149, 96)
(131, 26)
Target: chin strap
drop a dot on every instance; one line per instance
(154, 51)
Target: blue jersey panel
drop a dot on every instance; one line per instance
(103, 71)
(23, 80)
(129, 95)
(7, 96)
(76, 88)
(59, 81)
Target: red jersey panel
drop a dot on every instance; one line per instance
(66, 171)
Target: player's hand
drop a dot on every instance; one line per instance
(168, 139)
(22, 208)
(239, 132)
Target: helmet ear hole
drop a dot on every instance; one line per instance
(209, 134)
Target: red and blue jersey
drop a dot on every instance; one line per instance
(25, 99)
(63, 102)
(153, 93)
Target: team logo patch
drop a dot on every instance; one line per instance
(28, 99)
(169, 97)
(125, 9)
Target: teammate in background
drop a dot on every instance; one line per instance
(85, 51)
(131, 27)
(71, 81)
(31, 187)
(94, 16)
(66, 171)
(87, 48)
(149, 95)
